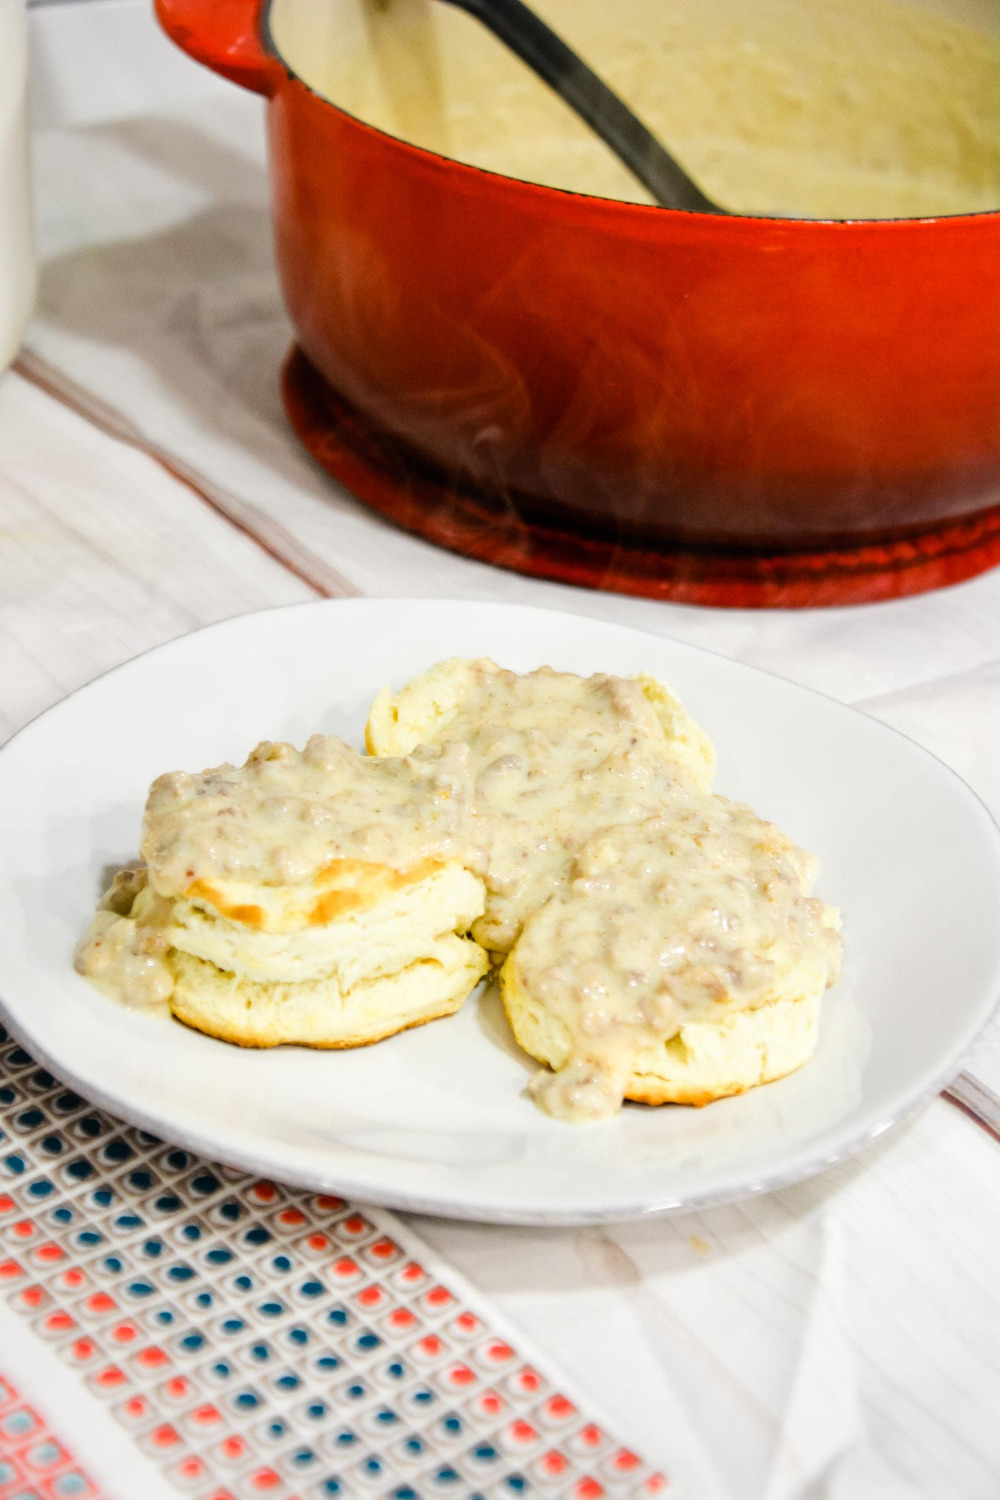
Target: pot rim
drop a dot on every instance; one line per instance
(621, 204)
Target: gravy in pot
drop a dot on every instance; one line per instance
(800, 108)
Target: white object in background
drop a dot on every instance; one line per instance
(17, 257)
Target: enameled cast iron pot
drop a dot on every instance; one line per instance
(724, 410)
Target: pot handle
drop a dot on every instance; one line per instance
(225, 35)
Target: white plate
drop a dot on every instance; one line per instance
(436, 1119)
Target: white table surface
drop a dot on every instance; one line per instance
(836, 1341)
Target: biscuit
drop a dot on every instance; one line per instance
(312, 896)
(421, 713)
(319, 1013)
(682, 961)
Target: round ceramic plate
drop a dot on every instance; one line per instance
(436, 1119)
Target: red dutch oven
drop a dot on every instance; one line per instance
(724, 410)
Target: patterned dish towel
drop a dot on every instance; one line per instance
(173, 1327)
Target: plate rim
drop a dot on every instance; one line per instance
(434, 1205)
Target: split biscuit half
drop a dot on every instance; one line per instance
(319, 1012)
(390, 956)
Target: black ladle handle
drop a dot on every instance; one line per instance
(536, 44)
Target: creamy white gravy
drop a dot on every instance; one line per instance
(124, 950)
(553, 757)
(285, 815)
(812, 108)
